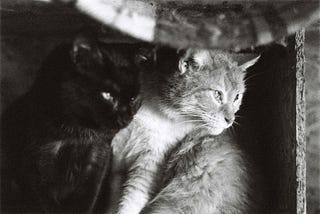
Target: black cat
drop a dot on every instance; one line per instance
(56, 139)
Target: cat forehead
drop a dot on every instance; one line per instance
(216, 64)
(117, 58)
(234, 82)
(202, 58)
(221, 80)
(211, 58)
(217, 68)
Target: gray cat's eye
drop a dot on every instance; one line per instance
(236, 98)
(218, 95)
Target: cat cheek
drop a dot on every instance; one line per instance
(115, 105)
(237, 106)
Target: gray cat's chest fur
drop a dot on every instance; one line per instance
(148, 129)
(207, 174)
(140, 149)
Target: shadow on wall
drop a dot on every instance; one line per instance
(312, 51)
(21, 57)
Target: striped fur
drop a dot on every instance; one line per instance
(209, 175)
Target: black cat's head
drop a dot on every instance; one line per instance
(102, 88)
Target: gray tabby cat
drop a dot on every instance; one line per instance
(199, 90)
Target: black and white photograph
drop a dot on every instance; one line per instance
(160, 107)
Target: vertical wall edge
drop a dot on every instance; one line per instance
(300, 123)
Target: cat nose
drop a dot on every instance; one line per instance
(229, 120)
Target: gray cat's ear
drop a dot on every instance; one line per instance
(245, 60)
(85, 50)
(183, 66)
(183, 61)
(187, 60)
(249, 63)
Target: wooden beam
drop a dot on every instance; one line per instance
(211, 2)
(301, 145)
(230, 26)
(236, 25)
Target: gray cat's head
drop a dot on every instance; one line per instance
(205, 88)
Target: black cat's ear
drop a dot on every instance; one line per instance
(144, 55)
(85, 50)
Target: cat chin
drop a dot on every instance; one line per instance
(215, 131)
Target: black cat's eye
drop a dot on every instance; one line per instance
(107, 96)
(218, 95)
(236, 98)
(133, 101)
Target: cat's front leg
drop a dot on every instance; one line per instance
(165, 202)
(158, 209)
(74, 176)
(96, 174)
(142, 176)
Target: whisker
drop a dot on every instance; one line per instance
(235, 122)
(239, 116)
(252, 76)
(232, 130)
(190, 121)
(201, 126)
